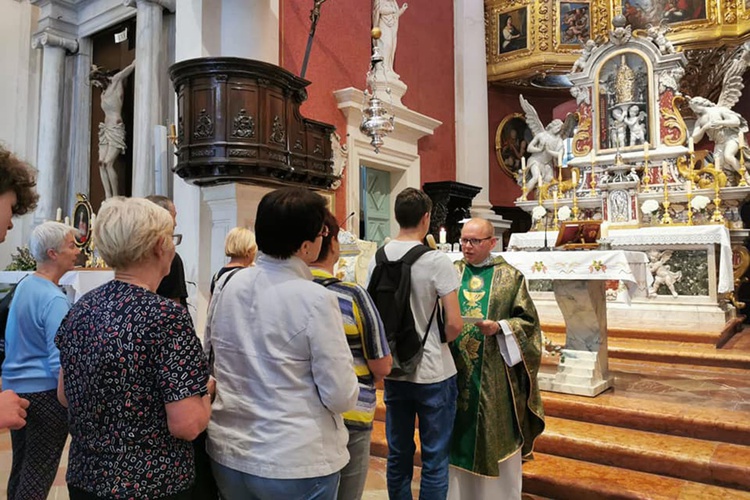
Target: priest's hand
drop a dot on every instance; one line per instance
(488, 327)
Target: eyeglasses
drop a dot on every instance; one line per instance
(323, 232)
(176, 239)
(474, 241)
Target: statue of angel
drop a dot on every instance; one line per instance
(546, 146)
(580, 63)
(658, 35)
(661, 271)
(723, 125)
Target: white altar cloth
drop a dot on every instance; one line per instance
(657, 235)
(77, 282)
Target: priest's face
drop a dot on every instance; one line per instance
(477, 241)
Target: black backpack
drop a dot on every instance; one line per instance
(390, 289)
(4, 311)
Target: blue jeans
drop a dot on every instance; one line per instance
(236, 485)
(435, 405)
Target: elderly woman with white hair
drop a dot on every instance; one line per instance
(133, 375)
(32, 362)
(240, 247)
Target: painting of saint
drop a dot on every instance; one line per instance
(575, 23)
(641, 13)
(512, 27)
(623, 102)
(82, 221)
(511, 139)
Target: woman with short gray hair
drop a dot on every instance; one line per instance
(133, 373)
(32, 362)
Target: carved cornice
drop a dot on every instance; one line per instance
(165, 4)
(50, 39)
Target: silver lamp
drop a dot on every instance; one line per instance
(377, 120)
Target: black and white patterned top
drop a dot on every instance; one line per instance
(125, 353)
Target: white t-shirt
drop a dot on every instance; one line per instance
(432, 275)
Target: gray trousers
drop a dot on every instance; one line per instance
(354, 475)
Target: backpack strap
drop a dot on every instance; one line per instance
(414, 254)
(328, 281)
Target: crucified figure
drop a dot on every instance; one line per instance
(112, 129)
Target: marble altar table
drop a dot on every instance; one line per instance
(76, 283)
(578, 281)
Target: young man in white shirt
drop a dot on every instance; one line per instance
(430, 391)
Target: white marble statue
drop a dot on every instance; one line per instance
(722, 125)
(546, 146)
(636, 122)
(112, 129)
(658, 34)
(661, 271)
(385, 14)
(619, 128)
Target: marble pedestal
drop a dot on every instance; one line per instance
(583, 368)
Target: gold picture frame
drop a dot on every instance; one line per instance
(512, 137)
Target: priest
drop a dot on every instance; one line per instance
(499, 411)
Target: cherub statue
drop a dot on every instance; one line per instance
(658, 35)
(723, 125)
(546, 146)
(636, 122)
(580, 63)
(660, 270)
(619, 128)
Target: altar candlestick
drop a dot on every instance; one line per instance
(690, 202)
(58, 215)
(666, 218)
(743, 171)
(524, 189)
(443, 236)
(67, 220)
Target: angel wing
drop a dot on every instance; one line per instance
(532, 117)
(569, 125)
(732, 85)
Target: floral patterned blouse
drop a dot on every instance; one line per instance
(125, 353)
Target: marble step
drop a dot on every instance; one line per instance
(670, 352)
(675, 419)
(710, 462)
(568, 479)
(707, 337)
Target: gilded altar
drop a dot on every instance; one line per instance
(528, 39)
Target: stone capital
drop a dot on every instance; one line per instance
(164, 4)
(46, 39)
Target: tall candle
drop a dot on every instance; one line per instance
(554, 196)
(93, 219)
(664, 170)
(443, 236)
(604, 230)
(689, 187)
(575, 178)
(645, 149)
(67, 220)
(58, 216)
(691, 144)
(717, 163)
(523, 163)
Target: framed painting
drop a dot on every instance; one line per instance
(512, 30)
(642, 13)
(512, 137)
(82, 220)
(575, 23)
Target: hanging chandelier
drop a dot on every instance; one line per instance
(377, 120)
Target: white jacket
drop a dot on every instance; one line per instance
(283, 373)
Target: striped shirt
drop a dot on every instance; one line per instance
(366, 337)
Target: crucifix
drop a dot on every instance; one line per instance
(314, 16)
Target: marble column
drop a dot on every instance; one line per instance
(148, 80)
(472, 118)
(51, 181)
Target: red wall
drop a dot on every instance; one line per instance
(340, 58)
(502, 101)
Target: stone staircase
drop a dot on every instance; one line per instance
(676, 425)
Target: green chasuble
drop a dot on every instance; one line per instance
(499, 408)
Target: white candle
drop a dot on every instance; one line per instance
(58, 216)
(604, 230)
(691, 144)
(645, 148)
(67, 220)
(575, 178)
(443, 236)
(664, 170)
(717, 163)
(523, 163)
(689, 187)
(559, 158)
(554, 196)
(93, 219)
